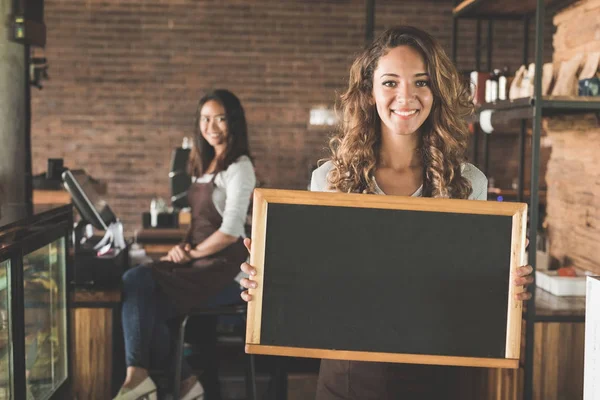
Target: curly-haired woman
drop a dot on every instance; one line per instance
(403, 133)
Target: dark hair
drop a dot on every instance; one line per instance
(237, 138)
(444, 134)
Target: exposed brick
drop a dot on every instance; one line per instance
(573, 174)
(126, 76)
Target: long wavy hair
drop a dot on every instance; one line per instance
(237, 140)
(443, 135)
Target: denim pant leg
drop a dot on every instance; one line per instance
(145, 312)
(138, 315)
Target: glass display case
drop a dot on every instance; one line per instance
(45, 319)
(34, 306)
(5, 333)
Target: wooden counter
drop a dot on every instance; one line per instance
(61, 196)
(98, 354)
(158, 241)
(98, 351)
(558, 357)
(51, 197)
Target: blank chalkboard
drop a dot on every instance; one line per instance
(386, 278)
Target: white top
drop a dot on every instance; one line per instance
(479, 183)
(232, 193)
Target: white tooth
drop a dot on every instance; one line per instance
(405, 113)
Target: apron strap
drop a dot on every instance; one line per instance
(212, 180)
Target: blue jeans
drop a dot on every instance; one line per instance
(146, 310)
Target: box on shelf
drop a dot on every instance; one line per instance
(551, 282)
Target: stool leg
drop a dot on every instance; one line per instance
(210, 356)
(178, 359)
(281, 379)
(250, 378)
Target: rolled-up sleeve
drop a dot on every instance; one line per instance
(240, 181)
(318, 181)
(478, 180)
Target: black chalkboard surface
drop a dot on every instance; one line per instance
(385, 278)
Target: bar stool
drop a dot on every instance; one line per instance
(237, 309)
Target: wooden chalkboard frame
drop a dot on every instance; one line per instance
(264, 197)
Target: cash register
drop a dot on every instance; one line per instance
(100, 260)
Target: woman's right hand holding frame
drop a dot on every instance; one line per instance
(248, 283)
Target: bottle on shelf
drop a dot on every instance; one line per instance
(491, 87)
(154, 212)
(488, 89)
(478, 89)
(503, 84)
(515, 184)
(494, 84)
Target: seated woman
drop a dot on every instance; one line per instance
(199, 272)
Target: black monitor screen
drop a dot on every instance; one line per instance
(90, 206)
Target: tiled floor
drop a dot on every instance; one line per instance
(300, 387)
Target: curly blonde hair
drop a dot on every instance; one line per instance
(443, 139)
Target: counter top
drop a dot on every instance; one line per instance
(16, 218)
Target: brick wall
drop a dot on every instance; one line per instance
(504, 158)
(126, 76)
(573, 174)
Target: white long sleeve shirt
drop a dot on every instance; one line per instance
(319, 182)
(231, 196)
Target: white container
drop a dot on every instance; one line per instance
(502, 88)
(591, 385)
(561, 285)
(154, 213)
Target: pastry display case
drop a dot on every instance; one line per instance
(34, 305)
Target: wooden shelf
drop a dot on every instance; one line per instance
(61, 196)
(569, 104)
(512, 194)
(549, 305)
(81, 296)
(51, 197)
(510, 110)
(508, 9)
(161, 236)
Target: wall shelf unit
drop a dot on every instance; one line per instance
(519, 109)
(506, 9)
(525, 110)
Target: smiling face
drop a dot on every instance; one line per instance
(401, 91)
(213, 125)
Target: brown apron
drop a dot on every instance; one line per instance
(360, 380)
(191, 285)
